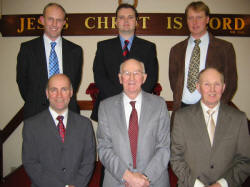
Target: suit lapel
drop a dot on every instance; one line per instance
(40, 54)
(200, 126)
(222, 125)
(66, 54)
(51, 126)
(145, 111)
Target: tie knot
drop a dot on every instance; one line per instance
(53, 44)
(60, 118)
(210, 112)
(197, 42)
(132, 104)
(126, 42)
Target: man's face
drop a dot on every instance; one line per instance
(211, 87)
(126, 21)
(197, 23)
(132, 77)
(59, 92)
(53, 22)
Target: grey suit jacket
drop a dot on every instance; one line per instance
(48, 161)
(193, 157)
(153, 149)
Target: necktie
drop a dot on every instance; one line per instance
(53, 60)
(133, 132)
(125, 51)
(194, 67)
(211, 126)
(61, 127)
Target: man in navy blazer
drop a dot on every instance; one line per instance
(51, 158)
(109, 56)
(33, 60)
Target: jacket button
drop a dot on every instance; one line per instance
(212, 166)
(64, 169)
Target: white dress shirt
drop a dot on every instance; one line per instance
(128, 107)
(58, 49)
(187, 97)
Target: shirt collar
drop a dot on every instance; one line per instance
(137, 99)
(48, 41)
(204, 39)
(130, 41)
(54, 115)
(206, 108)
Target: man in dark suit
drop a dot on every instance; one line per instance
(134, 133)
(214, 52)
(210, 139)
(33, 62)
(111, 53)
(58, 144)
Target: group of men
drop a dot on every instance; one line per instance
(209, 143)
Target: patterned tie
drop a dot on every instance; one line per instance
(211, 126)
(133, 132)
(194, 67)
(61, 128)
(53, 61)
(125, 51)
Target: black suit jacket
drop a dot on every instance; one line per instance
(107, 66)
(32, 74)
(48, 161)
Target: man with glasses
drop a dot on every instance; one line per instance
(134, 133)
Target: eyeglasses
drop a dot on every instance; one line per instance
(127, 74)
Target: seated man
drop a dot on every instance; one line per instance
(58, 144)
(210, 140)
(133, 133)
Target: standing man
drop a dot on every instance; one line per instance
(58, 144)
(111, 53)
(133, 133)
(210, 139)
(200, 50)
(42, 57)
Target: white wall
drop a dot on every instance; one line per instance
(11, 100)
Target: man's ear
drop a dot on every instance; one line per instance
(198, 87)
(41, 20)
(120, 77)
(144, 77)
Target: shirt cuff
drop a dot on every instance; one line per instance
(223, 182)
(66, 185)
(198, 183)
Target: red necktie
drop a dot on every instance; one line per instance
(125, 48)
(61, 127)
(133, 132)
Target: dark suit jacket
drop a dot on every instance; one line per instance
(107, 66)
(193, 157)
(48, 161)
(32, 74)
(220, 55)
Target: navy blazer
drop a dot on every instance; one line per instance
(107, 66)
(32, 74)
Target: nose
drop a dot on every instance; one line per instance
(131, 76)
(54, 23)
(59, 94)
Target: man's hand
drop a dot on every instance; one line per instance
(135, 179)
(215, 185)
